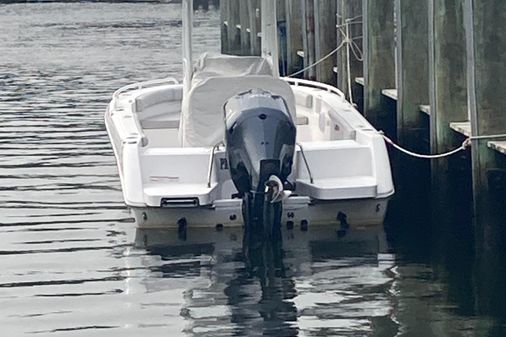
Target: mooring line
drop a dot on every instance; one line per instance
(319, 61)
(465, 144)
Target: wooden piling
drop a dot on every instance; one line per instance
(233, 33)
(486, 55)
(254, 13)
(379, 57)
(447, 71)
(412, 70)
(349, 21)
(325, 39)
(308, 38)
(282, 37)
(245, 30)
(448, 103)
(294, 42)
(224, 26)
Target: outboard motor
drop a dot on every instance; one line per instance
(260, 142)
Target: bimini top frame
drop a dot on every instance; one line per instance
(269, 39)
(187, 45)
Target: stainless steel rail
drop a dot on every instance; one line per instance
(145, 84)
(211, 163)
(299, 82)
(311, 180)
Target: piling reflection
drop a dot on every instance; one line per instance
(490, 262)
(451, 265)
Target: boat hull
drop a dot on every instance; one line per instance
(340, 174)
(355, 212)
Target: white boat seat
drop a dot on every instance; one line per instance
(177, 173)
(340, 169)
(354, 187)
(160, 107)
(219, 65)
(160, 123)
(158, 95)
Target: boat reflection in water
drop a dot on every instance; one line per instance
(327, 279)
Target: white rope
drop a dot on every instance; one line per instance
(348, 61)
(357, 52)
(319, 61)
(351, 19)
(465, 144)
(351, 47)
(346, 41)
(487, 137)
(462, 147)
(355, 18)
(348, 23)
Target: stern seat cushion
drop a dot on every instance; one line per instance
(158, 95)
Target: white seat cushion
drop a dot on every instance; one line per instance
(208, 66)
(354, 187)
(157, 95)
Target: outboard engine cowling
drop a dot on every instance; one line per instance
(260, 142)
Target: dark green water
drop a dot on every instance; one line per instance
(73, 264)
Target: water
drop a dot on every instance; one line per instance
(73, 264)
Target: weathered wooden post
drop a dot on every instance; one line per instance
(447, 72)
(294, 35)
(224, 26)
(270, 47)
(349, 21)
(234, 36)
(255, 23)
(379, 56)
(325, 39)
(448, 103)
(245, 27)
(308, 35)
(412, 69)
(486, 60)
(282, 38)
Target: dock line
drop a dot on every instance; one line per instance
(465, 144)
(319, 61)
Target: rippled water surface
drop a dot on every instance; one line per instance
(73, 264)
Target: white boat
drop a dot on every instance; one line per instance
(236, 144)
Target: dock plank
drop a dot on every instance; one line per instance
(463, 128)
(390, 93)
(499, 146)
(425, 109)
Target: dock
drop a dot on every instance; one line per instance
(429, 73)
